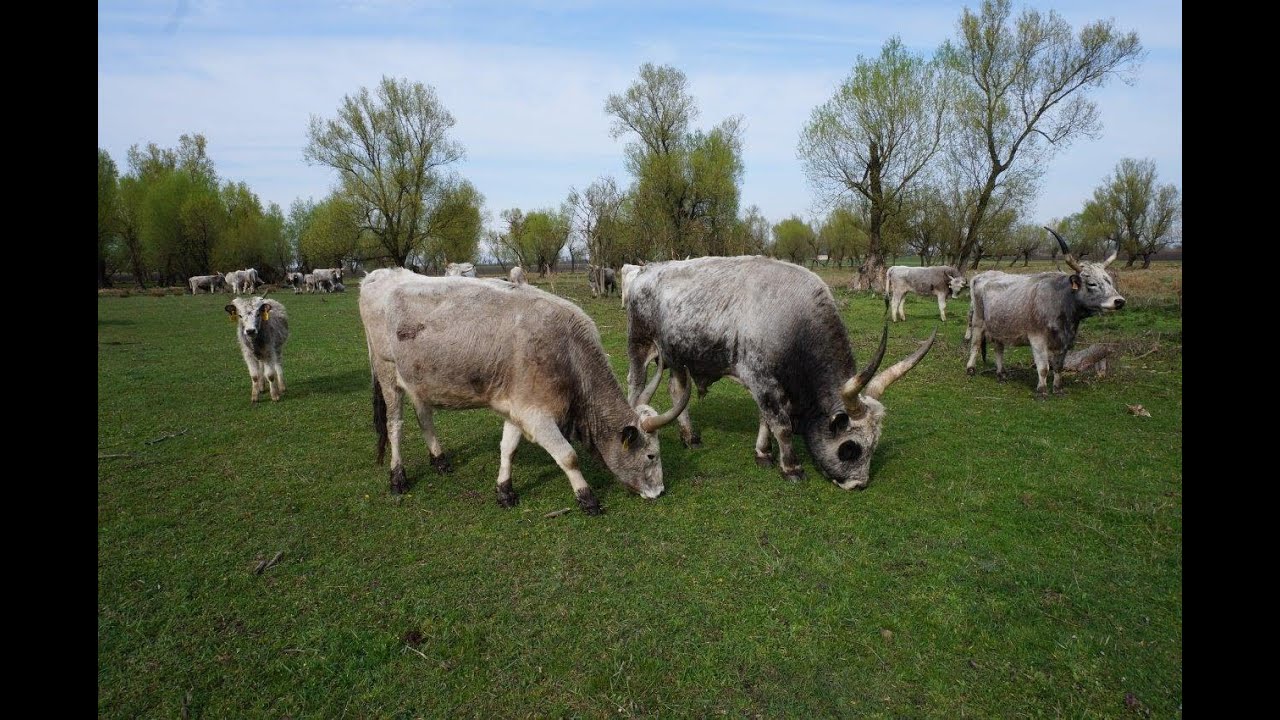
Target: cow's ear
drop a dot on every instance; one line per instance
(231, 310)
(839, 422)
(630, 435)
(1075, 281)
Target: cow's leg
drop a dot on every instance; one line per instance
(393, 397)
(676, 386)
(277, 363)
(544, 431)
(775, 409)
(510, 441)
(255, 373)
(942, 305)
(764, 456)
(425, 421)
(1000, 373)
(975, 343)
(1040, 351)
(1056, 360)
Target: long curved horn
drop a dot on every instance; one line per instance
(1113, 255)
(849, 393)
(647, 393)
(877, 386)
(652, 423)
(1066, 251)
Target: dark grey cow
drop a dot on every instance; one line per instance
(261, 330)
(773, 327)
(532, 357)
(1043, 310)
(296, 280)
(602, 280)
(937, 280)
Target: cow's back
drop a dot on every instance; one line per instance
(1013, 307)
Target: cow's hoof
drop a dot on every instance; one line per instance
(587, 501)
(795, 474)
(1041, 396)
(764, 461)
(693, 441)
(442, 464)
(1002, 377)
(399, 484)
(1059, 392)
(507, 497)
(971, 371)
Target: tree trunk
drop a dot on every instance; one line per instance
(1146, 262)
(976, 259)
(1026, 259)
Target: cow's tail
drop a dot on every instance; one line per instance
(984, 348)
(379, 418)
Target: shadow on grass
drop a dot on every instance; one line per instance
(337, 384)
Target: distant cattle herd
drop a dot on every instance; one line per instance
(769, 325)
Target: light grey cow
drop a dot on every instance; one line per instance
(625, 276)
(601, 280)
(1043, 310)
(517, 276)
(262, 328)
(210, 282)
(936, 280)
(296, 280)
(774, 327)
(243, 281)
(465, 269)
(538, 363)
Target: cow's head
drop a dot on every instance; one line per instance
(956, 283)
(1092, 285)
(337, 274)
(251, 314)
(843, 448)
(633, 453)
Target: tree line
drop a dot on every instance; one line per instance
(937, 156)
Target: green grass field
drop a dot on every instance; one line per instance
(1011, 557)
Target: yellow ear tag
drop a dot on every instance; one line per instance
(266, 315)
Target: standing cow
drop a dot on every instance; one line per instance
(532, 357)
(517, 276)
(211, 282)
(1043, 310)
(296, 280)
(772, 326)
(601, 280)
(262, 328)
(936, 280)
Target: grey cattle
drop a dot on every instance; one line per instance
(211, 282)
(337, 287)
(937, 280)
(1043, 310)
(532, 357)
(517, 276)
(772, 326)
(625, 276)
(602, 280)
(262, 328)
(243, 281)
(296, 280)
(465, 269)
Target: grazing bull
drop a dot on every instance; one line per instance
(937, 280)
(602, 280)
(465, 269)
(211, 282)
(539, 364)
(772, 326)
(627, 273)
(262, 329)
(1043, 310)
(517, 277)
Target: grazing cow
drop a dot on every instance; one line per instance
(297, 281)
(772, 326)
(601, 280)
(243, 281)
(539, 363)
(212, 282)
(262, 329)
(1043, 310)
(516, 276)
(625, 276)
(465, 269)
(936, 280)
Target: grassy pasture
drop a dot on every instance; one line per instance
(1011, 557)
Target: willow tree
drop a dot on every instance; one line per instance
(1141, 211)
(875, 137)
(108, 208)
(391, 149)
(1022, 91)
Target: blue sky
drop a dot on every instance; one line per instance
(527, 81)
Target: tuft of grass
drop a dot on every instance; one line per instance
(1009, 553)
